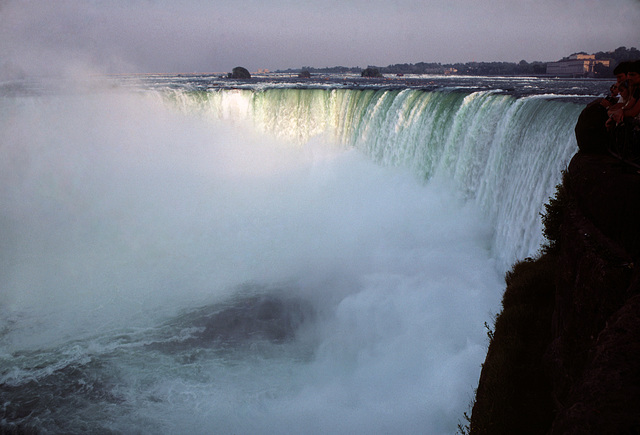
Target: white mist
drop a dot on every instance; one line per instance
(118, 212)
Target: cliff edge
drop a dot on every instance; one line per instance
(564, 354)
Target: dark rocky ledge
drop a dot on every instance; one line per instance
(239, 73)
(564, 354)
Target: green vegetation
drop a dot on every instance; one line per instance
(371, 72)
(480, 68)
(552, 218)
(514, 394)
(470, 68)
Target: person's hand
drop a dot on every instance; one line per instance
(609, 124)
(617, 116)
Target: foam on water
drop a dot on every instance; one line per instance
(134, 226)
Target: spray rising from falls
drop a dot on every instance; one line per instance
(503, 152)
(261, 261)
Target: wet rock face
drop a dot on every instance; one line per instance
(594, 355)
(605, 397)
(591, 134)
(259, 317)
(240, 73)
(607, 192)
(580, 346)
(236, 324)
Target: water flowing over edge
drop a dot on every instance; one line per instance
(503, 152)
(145, 223)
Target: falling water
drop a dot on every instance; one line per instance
(261, 260)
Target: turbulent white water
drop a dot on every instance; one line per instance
(273, 261)
(504, 153)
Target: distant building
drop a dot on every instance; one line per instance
(438, 70)
(577, 65)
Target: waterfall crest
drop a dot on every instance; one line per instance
(503, 152)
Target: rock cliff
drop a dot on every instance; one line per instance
(564, 354)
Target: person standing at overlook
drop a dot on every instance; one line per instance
(624, 121)
(620, 71)
(624, 93)
(614, 97)
(631, 108)
(622, 97)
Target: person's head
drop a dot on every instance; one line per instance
(633, 73)
(620, 71)
(614, 89)
(623, 88)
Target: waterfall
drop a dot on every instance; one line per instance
(261, 260)
(503, 152)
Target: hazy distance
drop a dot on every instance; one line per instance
(121, 36)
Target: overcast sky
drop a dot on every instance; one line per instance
(217, 35)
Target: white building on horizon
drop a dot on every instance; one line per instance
(577, 65)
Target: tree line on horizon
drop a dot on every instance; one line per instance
(523, 67)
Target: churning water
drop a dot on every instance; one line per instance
(267, 259)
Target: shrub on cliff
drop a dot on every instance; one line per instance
(514, 393)
(553, 216)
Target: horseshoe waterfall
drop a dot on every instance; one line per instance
(262, 258)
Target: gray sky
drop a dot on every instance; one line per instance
(217, 35)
